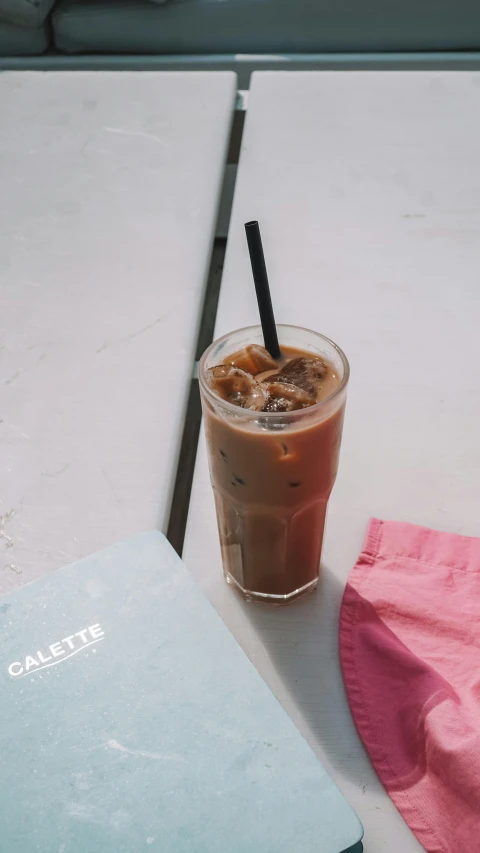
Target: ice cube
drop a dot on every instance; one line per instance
(237, 387)
(271, 377)
(286, 397)
(304, 373)
(253, 359)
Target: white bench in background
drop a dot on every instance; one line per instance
(110, 188)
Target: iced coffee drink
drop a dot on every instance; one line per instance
(273, 429)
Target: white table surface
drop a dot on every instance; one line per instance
(110, 187)
(367, 189)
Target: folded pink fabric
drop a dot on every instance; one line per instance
(410, 653)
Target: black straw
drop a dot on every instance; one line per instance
(262, 288)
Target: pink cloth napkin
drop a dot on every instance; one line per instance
(410, 653)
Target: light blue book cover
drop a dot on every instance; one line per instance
(132, 722)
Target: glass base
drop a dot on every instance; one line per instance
(267, 598)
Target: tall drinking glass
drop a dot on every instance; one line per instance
(272, 474)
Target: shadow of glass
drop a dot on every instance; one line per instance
(301, 641)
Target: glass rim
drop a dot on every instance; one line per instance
(252, 413)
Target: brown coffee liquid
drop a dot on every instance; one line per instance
(271, 490)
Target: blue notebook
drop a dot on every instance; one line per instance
(132, 722)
